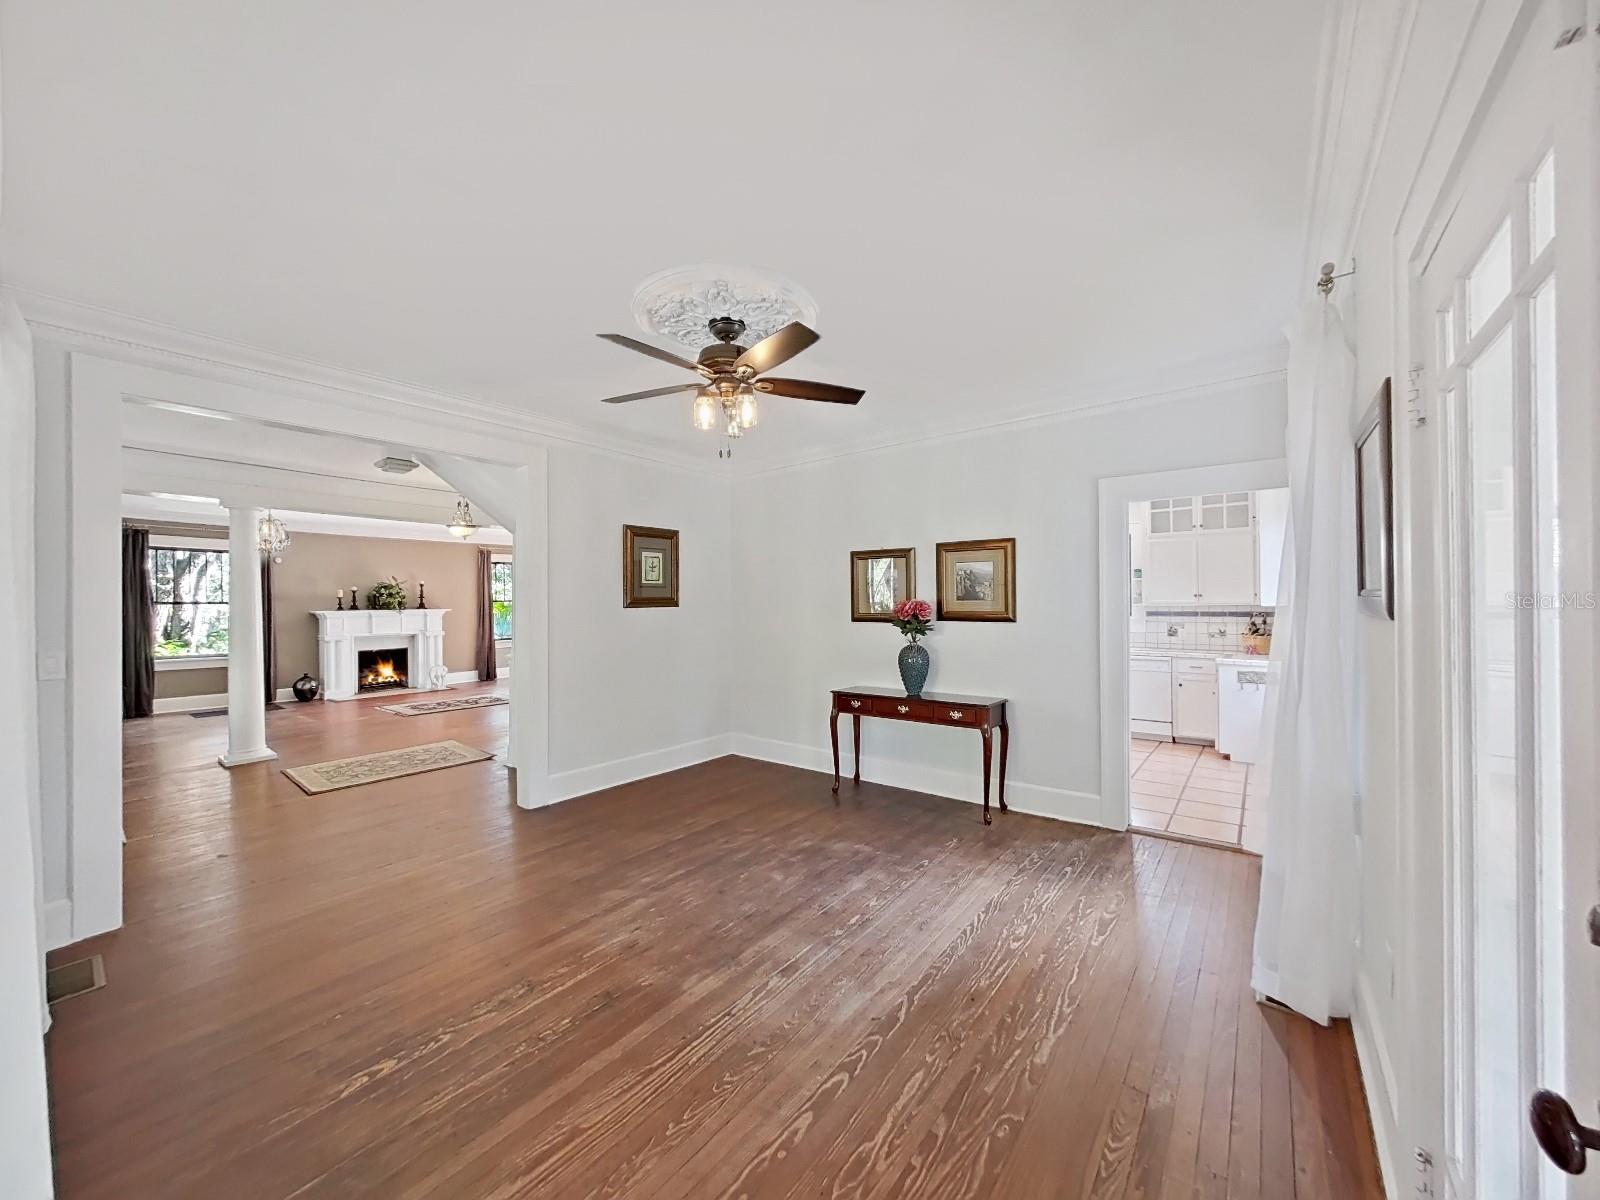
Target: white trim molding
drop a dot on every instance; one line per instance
(568, 785)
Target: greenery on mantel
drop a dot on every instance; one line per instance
(389, 593)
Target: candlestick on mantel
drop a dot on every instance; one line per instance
(339, 592)
(422, 594)
(355, 600)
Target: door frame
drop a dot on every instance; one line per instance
(1419, 1093)
(1116, 593)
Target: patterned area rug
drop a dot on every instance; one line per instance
(388, 764)
(421, 708)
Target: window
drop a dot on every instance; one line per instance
(190, 590)
(500, 596)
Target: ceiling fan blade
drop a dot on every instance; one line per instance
(654, 352)
(780, 347)
(653, 392)
(805, 389)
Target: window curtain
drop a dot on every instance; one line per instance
(485, 647)
(269, 631)
(1306, 926)
(138, 626)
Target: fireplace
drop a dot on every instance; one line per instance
(380, 670)
(351, 641)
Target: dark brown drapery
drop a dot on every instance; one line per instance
(485, 646)
(138, 626)
(269, 631)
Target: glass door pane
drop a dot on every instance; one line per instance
(1493, 788)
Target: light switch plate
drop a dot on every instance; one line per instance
(52, 664)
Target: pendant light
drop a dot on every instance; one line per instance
(462, 525)
(272, 539)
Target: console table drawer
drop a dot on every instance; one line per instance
(964, 714)
(911, 710)
(855, 704)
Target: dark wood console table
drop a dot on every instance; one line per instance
(986, 714)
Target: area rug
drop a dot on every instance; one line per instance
(387, 764)
(421, 708)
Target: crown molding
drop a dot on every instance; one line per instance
(1132, 393)
(95, 330)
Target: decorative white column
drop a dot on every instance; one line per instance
(247, 705)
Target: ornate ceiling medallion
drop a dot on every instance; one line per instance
(678, 303)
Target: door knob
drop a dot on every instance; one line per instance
(1565, 1140)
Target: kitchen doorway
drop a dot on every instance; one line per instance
(1188, 577)
(1203, 581)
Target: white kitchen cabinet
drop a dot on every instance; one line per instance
(1209, 558)
(1171, 570)
(1194, 699)
(1225, 567)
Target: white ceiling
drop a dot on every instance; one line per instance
(1000, 207)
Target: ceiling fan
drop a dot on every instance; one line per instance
(731, 374)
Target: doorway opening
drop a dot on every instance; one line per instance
(1189, 564)
(1202, 595)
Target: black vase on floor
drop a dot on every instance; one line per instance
(306, 688)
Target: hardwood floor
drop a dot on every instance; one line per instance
(712, 983)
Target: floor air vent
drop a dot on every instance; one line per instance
(74, 978)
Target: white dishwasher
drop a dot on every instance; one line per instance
(1150, 697)
(1241, 699)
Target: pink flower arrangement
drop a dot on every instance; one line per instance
(914, 618)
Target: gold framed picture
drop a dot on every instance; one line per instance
(649, 567)
(879, 580)
(978, 580)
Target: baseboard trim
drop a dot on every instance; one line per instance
(1377, 1077)
(1057, 804)
(57, 924)
(244, 760)
(568, 785)
(183, 704)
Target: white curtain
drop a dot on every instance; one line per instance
(1307, 924)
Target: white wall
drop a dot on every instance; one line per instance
(1035, 482)
(633, 691)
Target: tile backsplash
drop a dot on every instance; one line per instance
(1191, 627)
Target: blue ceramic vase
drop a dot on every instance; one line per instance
(913, 667)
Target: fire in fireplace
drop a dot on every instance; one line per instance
(379, 670)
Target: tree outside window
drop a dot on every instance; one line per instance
(190, 590)
(500, 597)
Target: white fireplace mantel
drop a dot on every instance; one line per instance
(342, 635)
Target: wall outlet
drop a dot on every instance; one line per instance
(52, 664)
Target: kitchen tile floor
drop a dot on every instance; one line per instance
(1192, 790)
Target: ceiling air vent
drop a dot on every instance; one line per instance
(397, 466)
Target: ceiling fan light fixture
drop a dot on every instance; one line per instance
(462, 525)
(705, 411)
(749, 414)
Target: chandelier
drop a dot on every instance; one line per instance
(462, 525)
(272, 539)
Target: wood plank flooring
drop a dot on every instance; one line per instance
(713, 983)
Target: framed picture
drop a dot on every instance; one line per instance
(978, 580)
(1375, 506)
(880, 579)
(649, 567)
